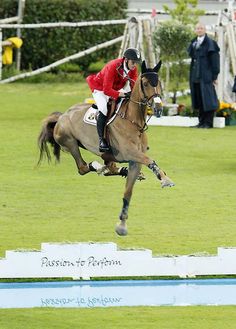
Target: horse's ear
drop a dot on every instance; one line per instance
(158, 66)
(143, 67)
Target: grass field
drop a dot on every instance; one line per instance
(54, 204)
(127, 318)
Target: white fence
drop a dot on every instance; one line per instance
(6, 21)
(138, 31)
(64, 60)
(88, 260)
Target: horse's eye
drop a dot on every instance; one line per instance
(145, 84)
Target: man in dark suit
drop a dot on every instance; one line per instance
(204, 69)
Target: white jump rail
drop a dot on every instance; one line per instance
(4, 24)
(64, 60)
(88, 260)
(63, 24)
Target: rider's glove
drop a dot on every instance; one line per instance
(127, 95)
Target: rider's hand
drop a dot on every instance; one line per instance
(124, 95)
(121, 94)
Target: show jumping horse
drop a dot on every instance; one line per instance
(127, 137)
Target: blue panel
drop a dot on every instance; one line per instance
(118, 293)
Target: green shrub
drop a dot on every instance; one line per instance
(43, 46)
(96, 67)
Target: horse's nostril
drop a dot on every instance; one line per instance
(158, 111)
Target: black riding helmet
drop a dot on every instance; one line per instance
(133, 54)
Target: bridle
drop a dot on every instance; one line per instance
(145, 101)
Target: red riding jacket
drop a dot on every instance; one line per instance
(111, 78)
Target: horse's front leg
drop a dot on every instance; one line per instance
(142, 158)
(161, 175)
(134, 170)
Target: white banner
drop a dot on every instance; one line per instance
(91, 260)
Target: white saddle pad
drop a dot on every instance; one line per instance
(89, 116)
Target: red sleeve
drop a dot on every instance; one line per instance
(109, 76)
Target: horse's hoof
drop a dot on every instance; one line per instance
(141, 176)
(121, 229)
(167, 183)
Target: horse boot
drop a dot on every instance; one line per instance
(101, 121)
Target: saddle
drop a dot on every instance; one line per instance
(90, 116)
(113, 106)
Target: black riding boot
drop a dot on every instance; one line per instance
(101, 121)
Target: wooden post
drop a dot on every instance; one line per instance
(124, 41)
(133, 28)
(140, 38)
(0, 54)
(21, 6)
(220, 86)
(150, 44)
(231, 40)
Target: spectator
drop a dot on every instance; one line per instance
(204, 69)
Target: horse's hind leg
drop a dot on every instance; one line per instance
(134, 170)
(82, 166)
(70, 144)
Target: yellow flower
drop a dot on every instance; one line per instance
(224, 105)
(233, 106)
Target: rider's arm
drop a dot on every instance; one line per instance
(108, 81)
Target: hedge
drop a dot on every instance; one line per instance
(46, 45)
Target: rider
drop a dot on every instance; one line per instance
(108, 83)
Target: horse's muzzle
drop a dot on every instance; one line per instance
(158, 106)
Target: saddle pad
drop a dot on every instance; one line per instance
(89, 116)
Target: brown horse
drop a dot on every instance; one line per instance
(127, 137)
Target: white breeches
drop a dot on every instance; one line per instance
(101, 100)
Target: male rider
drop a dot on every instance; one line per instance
(108, 84)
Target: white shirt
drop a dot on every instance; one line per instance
(200, 40)
(126, 70)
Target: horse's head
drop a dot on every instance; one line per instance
(151, 87)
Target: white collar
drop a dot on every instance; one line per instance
(126, 69)
(201, 38)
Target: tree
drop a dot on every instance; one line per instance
(185, 12)
(172, 39)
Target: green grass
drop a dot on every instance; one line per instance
(53, 203)
(116, 318)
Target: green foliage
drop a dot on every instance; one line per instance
(172, 38)
(96, 67)
(185, 12)
(46, 45)
(63, 73)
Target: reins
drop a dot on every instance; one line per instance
(145, 101)
(122, 115)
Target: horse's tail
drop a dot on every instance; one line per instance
(46, 136)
